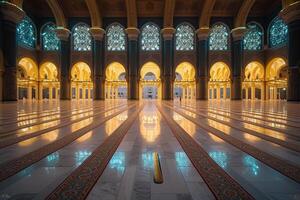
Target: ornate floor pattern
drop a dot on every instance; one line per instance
(104, 150)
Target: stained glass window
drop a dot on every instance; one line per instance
(218, 38)
(26, 33)
(82, 40)
(278, 32)
(184, 38)
(150, 37)
(115, 38)
(48, 37)
(253, 39)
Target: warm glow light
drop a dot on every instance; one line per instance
(27, 142)
(150, 126)
(52, 136)
(84, 137)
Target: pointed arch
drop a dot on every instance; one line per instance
(219, 37)
(81, 37)
(185, 37)
(150, 37)
(115, 37)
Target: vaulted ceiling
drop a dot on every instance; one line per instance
(150, 8)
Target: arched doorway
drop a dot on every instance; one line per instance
(115, 82)
(253, 84)
(219, 82)
(49, 84)
(27, 79)
(276, 79)
(150, 82)
(81, 82)
(185, 84)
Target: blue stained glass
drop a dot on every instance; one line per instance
(26, 33)
(184, 38)
(115, 37)
(278, 34)
(82, 40)
(253, 39)
(49, 39)
(218, 38)
(150, 37)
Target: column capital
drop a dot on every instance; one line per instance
(202, 33)
(133, 33)
(97, 33)
(62, 33)
(238, 33)
(291, 12)
(168, 33)
(11, 12)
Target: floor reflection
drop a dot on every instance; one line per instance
(220, 158)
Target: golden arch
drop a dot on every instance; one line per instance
(81, 82)
(276, 79)
(115, 81)
(150, 82)
(219, 82)
(253, 84)
(49, 84)
(185, 82)
(27, 79)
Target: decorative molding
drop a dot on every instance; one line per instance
(238, 33)
(202, 33)
(97, 33)
(241, 18)
(58, 13)
(133, 33)
(291, 12)
(204, 19)
(11, 12)
(168, 33)
(94, 13)
(62, 33)
(169, 13)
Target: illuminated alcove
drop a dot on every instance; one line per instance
(150, 82)
(27, 79)
(81, 82)
(49, 84)
(253, 84)
(219, 82)
(276, 79)
(115, 81)
(185, 84)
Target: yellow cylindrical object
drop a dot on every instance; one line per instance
(158, 177)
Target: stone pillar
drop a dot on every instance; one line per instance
(65, 78)
(98, 63)
(11, 15)
(50, 93)
(133, 63)
(202, 64)
(252, 92)
(167, 62)
(237, 60)
(291, 15)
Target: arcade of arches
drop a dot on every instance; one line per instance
(259, 82)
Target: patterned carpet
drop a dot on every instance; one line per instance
(220, 183)
(283, 166)
(12, 167)
(79, 183)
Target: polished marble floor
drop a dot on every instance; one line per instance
(254, 144)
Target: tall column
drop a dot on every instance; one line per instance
(65, 78)
(167, 61)
(202, 64)
(10, 16)
(291, 15)
(98, 62)
(133, 63)
(237, 59)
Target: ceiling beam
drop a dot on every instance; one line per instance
(169, 12)
(131, 13)
(206, 12)
(94, 13)
(241, 18)
(58, 13)
(18, 3)
(286, 3)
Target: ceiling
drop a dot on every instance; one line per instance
(150, 8)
